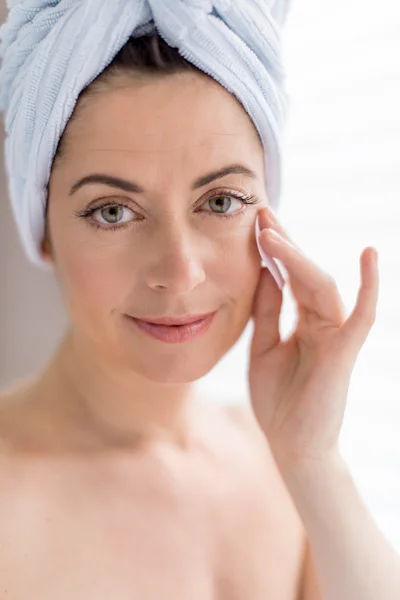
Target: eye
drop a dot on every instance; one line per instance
(115, 213)
(115, 210)
(220, 201)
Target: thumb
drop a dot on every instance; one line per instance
(266, 311)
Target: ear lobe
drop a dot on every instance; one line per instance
(45, 249)
(45, 246)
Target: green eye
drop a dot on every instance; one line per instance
(229, 196)
(220, 200)
(115, 212)
(115, 219)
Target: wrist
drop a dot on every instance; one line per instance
(304, 470)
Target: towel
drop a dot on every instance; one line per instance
(52, 49)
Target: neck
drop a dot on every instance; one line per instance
(113, 402)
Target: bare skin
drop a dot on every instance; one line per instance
(117, 482)
(151, 521)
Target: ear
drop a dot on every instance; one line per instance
(46, 250)
(45, 247)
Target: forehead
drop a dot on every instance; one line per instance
(180, 115)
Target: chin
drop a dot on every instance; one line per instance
(177, 370)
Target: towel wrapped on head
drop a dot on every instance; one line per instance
(51, 50)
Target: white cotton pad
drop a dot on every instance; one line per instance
(269, 262)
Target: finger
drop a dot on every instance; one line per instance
(269, 262)
(312, 288)
(268, 219)
(266, 309)
(355, 330)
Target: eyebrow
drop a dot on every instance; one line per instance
(131, 186)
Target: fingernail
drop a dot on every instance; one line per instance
(274, 236)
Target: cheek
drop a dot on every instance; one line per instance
(93, 285)
(89, 273)
(98, 280)
(240, 265)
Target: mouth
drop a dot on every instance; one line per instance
(175, 332)
(175, 321)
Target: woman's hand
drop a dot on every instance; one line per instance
(299, 387)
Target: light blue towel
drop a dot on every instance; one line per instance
(52, 49)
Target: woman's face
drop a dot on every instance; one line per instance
(167, 250)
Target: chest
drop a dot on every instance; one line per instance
(207, 535)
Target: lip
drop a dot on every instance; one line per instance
(175, 320)
(177, 334)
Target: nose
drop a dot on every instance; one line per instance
(177, 265)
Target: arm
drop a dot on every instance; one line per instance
(309, 587)
(348, 557)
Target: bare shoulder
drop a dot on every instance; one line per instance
(242, 416)
(281, 514)
(7, 401)
(15, 392)
(12, 402)
(244, 420)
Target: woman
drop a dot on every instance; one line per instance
(118, 480)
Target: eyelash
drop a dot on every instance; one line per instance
(85, 214)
